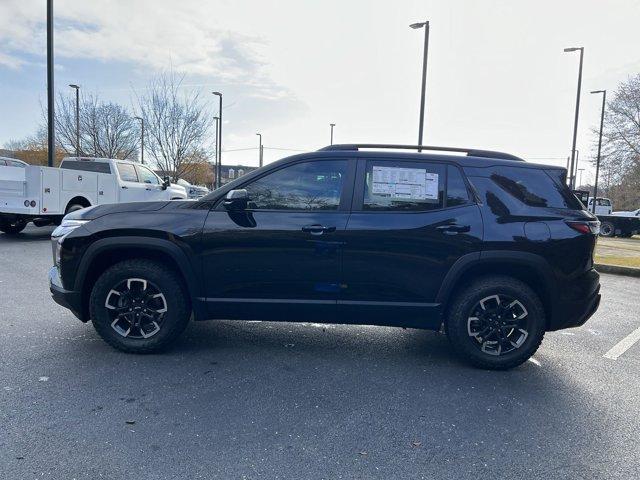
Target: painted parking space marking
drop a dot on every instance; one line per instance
(623, 345)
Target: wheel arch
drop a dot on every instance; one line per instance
(526, 267)
(106, 252)
(78, 200)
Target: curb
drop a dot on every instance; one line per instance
(617, 270)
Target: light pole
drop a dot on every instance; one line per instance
(215, 163)
(580, 170)
(77, 89)
(219, 145)
(575, 122)
(595, 183)
(141, 138)
(332, 125)
(424, 75)
(259, 149)
(51, 131)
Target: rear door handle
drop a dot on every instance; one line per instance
(125, 187)
(453, 229)
(317, 229)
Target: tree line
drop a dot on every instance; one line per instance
(619, 177)
(178, 130)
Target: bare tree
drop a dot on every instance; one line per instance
(176, 125)
(620, 162)
(106, 129)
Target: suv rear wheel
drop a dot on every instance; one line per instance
(139, 306)
(496, 322)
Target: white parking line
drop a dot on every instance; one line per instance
(623, 345)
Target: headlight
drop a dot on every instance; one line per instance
(66, 227)
(59, 234)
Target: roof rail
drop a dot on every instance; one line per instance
(471, 152)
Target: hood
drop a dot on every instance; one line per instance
(91, 213)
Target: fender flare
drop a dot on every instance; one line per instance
(471, 260)
(156, 244)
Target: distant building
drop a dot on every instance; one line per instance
(229, 173)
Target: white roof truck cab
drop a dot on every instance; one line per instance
(44, 194)
(603, 206)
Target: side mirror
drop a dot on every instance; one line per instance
(236, 200)
(166, 182)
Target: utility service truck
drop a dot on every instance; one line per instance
(43, 195)
(612, 224)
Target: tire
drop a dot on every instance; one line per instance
(462, 330)
(12, 228)
(73, 208)
(157, 330)
(607, 229)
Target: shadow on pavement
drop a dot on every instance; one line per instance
(314, 401)
(29, 234)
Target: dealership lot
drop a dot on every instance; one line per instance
(267, 400)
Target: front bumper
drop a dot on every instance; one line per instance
(65, 298)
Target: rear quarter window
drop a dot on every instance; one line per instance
(535, 188)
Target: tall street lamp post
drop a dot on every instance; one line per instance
(595, 183)
(51, 139)
(332, 125)
(141, 138)
(580, 170)
(424, 75)
(572, 180)
(77, 89)
(215, 163)
(219, 143)
(259, 149)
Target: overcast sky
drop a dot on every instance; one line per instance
(497, 75)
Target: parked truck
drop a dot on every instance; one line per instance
(43, 195)
(611, 224)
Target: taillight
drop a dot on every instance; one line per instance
(586, 227)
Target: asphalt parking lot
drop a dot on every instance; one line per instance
(304, 401)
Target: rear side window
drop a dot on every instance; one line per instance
(403, 186)
(86, 166)
(127, 172)
(535, 188)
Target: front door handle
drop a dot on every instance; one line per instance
(317, 229)
(452, 229)
(124, 187)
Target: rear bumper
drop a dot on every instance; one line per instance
(65, 298)
(579, 301)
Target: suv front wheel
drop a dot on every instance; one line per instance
(139, 306)
(496, 322)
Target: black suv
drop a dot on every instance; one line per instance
(493, 250)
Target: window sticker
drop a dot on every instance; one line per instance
(405, 183)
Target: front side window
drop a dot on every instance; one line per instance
(404, 186)
(127, 172)
(303, 186)
(146, 175)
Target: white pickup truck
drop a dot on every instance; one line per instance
(44, 195)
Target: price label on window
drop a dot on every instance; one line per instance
(405, 183)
